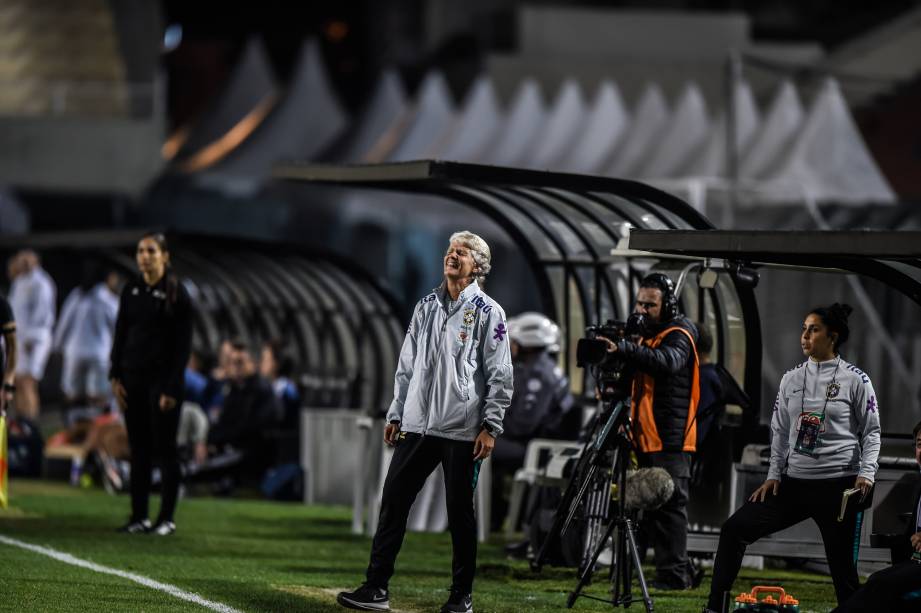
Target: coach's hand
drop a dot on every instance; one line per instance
(916, 541)
(864, 485)
(121, 396)
(611, 345)
(760, 494)
(6, 397)
(391, 432)
(167, 403)
(483, 445)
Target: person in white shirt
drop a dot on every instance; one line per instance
(32, 296)
(84, 338)
(452, 387)
(825, 439)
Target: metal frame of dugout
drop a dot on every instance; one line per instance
(894, 258)
(339, 323)
(590, 239)
(573, 230)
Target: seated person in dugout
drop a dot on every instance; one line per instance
(897, 588)
(541, 403)
(249, 410)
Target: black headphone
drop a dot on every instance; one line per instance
(667, 287)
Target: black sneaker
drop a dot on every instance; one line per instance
(365, 598)
(459, 602)
(136, 527)
(518, 551)
(163, 528)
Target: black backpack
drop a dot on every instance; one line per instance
(25, 448)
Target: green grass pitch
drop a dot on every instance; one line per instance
(264, 556)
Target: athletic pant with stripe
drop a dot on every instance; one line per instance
(414, 459)
(798, 499)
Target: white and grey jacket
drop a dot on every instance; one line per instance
(455, 368)
(850, 438)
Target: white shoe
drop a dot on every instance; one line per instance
(164, 528)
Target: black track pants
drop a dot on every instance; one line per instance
(798, 499)
(151, 433)
(413, 461)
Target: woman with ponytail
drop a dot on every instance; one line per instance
(825, 439)
(153, 338)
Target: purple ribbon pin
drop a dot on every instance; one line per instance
(500, 332)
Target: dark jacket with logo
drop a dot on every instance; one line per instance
(901, 547)
(153, 334)
(250, 406)
(540, 402)
(673, 368)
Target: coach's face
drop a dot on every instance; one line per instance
(649, 303)
(458, 262)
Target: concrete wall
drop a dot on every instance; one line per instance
(80, 154)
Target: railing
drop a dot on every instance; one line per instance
(345, 462)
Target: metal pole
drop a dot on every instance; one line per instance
(733, 82)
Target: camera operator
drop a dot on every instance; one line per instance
(665, 392)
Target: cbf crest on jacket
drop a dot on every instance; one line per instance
(455, 368)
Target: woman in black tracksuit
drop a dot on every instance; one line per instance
(153, 337)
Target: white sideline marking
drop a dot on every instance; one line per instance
(163, 587)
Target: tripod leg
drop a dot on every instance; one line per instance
(635, 554)
(625, 574)
(596, 516)
(586, 575)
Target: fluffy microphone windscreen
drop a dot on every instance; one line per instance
(648, 488)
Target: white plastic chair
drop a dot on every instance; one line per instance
(529, 474)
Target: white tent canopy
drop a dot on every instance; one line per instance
(478, 122)
(604, 126)
(301, 125)
(828, 160)
(431, 118)
(525, 115)
(788, 156)
(783, 120)
(563, 125)
(251, 82)
(684, 133)
(711, 160)
(386, 106)
(641, 136)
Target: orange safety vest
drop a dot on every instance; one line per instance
(646, 436)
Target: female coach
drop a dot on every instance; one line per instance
(153, 337)
(825, 440)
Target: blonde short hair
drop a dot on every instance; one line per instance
(478, 249)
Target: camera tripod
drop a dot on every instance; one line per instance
(598, 486)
